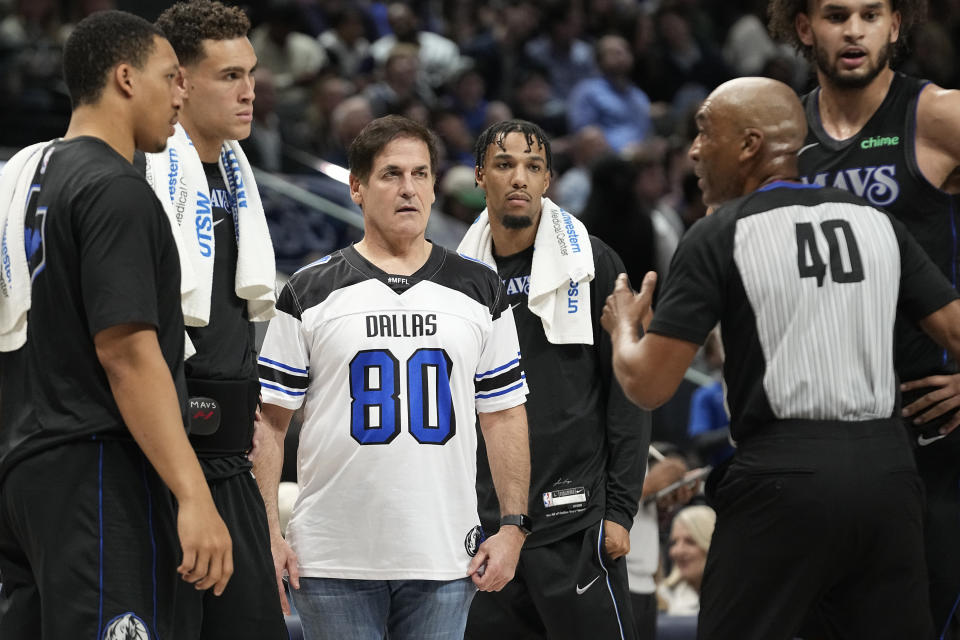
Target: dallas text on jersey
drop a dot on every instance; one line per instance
(403, 325)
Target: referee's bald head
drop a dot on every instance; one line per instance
(749, 133)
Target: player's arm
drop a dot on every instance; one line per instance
(938, 137)
(628, 427)
(650, 368)
(147, 399)
(267, 466)
(508, 452)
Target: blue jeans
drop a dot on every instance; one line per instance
(335, 609)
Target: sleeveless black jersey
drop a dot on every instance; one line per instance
(880, 165)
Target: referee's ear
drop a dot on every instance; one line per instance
(752, 143)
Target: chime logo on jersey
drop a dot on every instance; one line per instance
(126, 626)
(877, 142)
(876, 184)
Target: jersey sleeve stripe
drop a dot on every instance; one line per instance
(277, 387)
(287, 380)
(274, 363)
(482, 396)
(497, 382)
(513, 362)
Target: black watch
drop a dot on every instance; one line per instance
(520, 520)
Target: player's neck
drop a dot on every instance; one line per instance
(99, 123)
(844, 111)
(507, 242)
(395, 256)
(208, 148)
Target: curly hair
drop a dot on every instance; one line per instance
(98, 44)
(188, 24)
(782, 16)
(495, 134)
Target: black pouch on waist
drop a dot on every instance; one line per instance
(221, 415)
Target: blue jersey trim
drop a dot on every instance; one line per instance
(499, 393)
(282, 366)
(500, 368)
(281, 389)
(783, 184)
(153, 544)
(100, 517)
(478, 261)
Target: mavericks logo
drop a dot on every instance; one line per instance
(473, 540)
(126, 626)
(877, 184)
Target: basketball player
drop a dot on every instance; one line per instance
(391, 346)
(587, 440)
(217, 62)
(92, 412)
(894, 140)
(821, 508)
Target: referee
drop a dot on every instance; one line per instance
(820, 511)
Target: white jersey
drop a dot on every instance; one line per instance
(390, 371)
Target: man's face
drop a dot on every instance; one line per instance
(158, 100)
(714, 154)
(852, 40)
(397, 195)
(218, 104)
(514, 178)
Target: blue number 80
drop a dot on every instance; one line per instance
(375, 395)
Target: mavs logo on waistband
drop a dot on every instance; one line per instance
(876, 184)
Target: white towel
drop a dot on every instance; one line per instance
(177, 177)
(16, 181)
(559, 277)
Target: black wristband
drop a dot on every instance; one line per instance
(520, 520)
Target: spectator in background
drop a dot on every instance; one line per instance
(612, 101)
(573, 187)
(690, 537)
(439, 57)
(688, 69)
(294, 57)
(467, 98)
(264, 147)
(709, 424)
(452, 130)
(344, 42)
(348, 120)
(533, 101)
(400, 84)
(643, 561)
(497, 51)
(314, 131)
(567, 58)
(459, 204)
(614, 214)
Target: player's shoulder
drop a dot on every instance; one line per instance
(470, 276)
(313, 283)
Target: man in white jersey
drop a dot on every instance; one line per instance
(820, 510)
(392, 346)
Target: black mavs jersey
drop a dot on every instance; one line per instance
(804, 281)
(101, 253)
(880, 165)
(586, 438)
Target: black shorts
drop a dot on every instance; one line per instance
(939, 467)
(250, 605)
(88, 545)
(566, 590)
(823, 522)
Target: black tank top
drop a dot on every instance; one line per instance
(879, 164)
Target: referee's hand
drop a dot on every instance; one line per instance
(206, 545)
